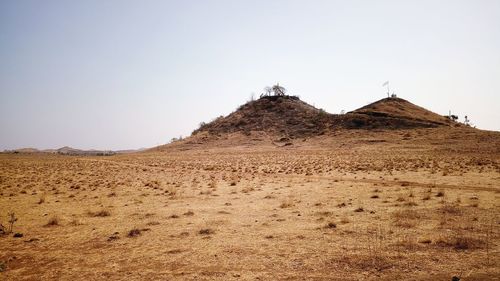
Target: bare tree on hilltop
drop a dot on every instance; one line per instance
(275, 90)
(279, 90)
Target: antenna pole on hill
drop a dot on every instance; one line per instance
(386, 83)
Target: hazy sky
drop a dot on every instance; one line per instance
(128, 74)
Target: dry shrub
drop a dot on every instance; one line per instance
(364, 262)
(425, 240)
(153, 184)
(100, 213)
(171, 190)
(287, 204)
(134, 232)
(359, 210)
(450, 209)
(410, 203)
(41, 200)
(53, 221)
(247, 189)
(206, 231)
(407, 214)
(331, 225)
(407, 218)
(407, 242)
(460, 241)
(401, 198)
(405, 223)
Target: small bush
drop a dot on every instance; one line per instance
(331, 225)
(101, 213)
(53, 221)
(189, 213)
(451, 209)
(134, 232)
(206, 231)
(460, 242)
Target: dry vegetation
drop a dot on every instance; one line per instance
(418, 204)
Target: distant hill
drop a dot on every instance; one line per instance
(66, 150)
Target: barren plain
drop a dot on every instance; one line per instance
(419, 204)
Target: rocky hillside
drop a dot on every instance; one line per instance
(289, 117)
(276, 115)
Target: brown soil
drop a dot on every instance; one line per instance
(417, 204)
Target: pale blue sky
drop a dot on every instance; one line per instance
(127, 74)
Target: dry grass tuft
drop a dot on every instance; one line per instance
(206, 231)
(134, 233)
(41, 200)
(359, 210)
(331, 225)
(53, 221)
(189, 213)
(100, 213)
(407, 218)
(287, 204)
(451, 209)
(460, 242)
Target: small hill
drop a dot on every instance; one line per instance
(285, 116)
(398, 108)
(392, 114)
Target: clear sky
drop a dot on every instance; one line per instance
(128, 74)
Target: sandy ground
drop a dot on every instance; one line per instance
(340, 210)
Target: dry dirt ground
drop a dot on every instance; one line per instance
(404, 206)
